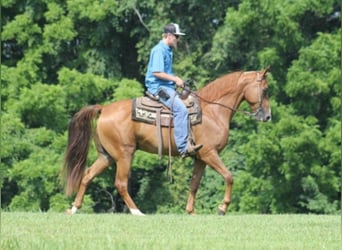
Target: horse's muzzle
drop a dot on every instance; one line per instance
(263, 115)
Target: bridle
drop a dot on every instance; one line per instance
(261, 97)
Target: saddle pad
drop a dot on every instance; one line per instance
(144, 109)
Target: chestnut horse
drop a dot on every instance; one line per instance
(117, 137)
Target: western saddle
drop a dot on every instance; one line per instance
(149, 110)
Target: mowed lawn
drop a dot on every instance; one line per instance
(169, 231)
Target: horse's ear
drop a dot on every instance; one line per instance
(264, 73)
(266, 70)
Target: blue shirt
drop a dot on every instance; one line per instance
(160, 61)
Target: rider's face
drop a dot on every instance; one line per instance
(173, 39)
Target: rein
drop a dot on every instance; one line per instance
(222, 105)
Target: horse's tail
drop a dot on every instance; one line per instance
(81, 130)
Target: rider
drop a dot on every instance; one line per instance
(160, 81)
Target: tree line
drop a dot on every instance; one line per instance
(59, 56)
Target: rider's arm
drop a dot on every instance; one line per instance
(164, 76)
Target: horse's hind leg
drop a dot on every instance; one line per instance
(121, 183)
(97, 168)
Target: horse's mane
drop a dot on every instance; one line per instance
(220, 87)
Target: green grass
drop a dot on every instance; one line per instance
(117, 231)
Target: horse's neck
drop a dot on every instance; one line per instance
(222, 104)
(229, 104)
(232, 100)
(221, 111)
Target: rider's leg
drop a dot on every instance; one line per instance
(181, 127)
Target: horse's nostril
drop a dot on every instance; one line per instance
(268, 118)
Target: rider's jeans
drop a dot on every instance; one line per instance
(180, 118)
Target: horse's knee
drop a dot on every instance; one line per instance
(229, 178)
(120, 186)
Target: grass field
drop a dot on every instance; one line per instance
(118, 231)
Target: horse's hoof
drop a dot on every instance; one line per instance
(68, 212)
(71, 211)
(221, 212)
(136, 212)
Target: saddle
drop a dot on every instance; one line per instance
(149, 110)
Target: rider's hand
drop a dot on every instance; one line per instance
(179, 82)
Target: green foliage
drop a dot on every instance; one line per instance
(12, 147)
(61, 30)
(83, 89)
(161, 189)
(210, 192)
(128, 89)
(22, 29)
(24, 202)
(313, 77)
(92, 10)
(42, 106)
(314, 200)
(36, 182)
(253, 194)
(58, 203)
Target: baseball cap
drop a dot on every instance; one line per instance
(173, 28)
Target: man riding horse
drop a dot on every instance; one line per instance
(161, 83)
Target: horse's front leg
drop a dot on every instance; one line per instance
(97, 168)
(199, 167)
(213, 160)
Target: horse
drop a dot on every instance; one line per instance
(117, 137)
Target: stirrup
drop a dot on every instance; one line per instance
(191, 150)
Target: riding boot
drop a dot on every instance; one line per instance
(191, 150)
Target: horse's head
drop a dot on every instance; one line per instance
(255, 93)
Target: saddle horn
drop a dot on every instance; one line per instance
(186, 90)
